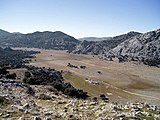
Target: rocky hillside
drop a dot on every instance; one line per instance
(143, 48)
(47, 96)
(4, 33)
(101, 47)
(19, 101)
(45, 40)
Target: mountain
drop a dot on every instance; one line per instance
(18, 33)
(143, 48)
(4, 33)
(101, 47)
(45, 40)
(132, 46)
(94, 38)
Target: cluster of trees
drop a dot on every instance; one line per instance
(6, 74)
(147, 61)
(14, 58)
(152, 62)
(68, 89)
(3, 71)
(43, 76)
(35, 76)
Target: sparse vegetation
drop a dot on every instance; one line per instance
(103, 97)
(152, 62)
(44, 97)
(30, 91)
(3, 71)
(3, 101)
(79, 82)
(11, 76)
(14, 58)
(42, 76)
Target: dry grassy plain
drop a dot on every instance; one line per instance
(120, 81)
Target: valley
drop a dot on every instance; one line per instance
(121, 82)
(80, 60)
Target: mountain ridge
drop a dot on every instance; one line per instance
(100, 47)
(141, 47)
(46, 40)
(4, 33)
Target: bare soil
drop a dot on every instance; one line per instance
(120, 81)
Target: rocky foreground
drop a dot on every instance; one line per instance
(19, 101)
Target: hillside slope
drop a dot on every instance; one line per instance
(101, 47)
(4, 33)
(144, 48)
(45, 40)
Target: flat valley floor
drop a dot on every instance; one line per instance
(121, 82)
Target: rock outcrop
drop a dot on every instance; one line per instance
(143, 48)
(101, 47)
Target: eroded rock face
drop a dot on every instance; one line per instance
(101, 47)
(133, 46)
(144, 47)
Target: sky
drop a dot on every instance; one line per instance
(80, 18)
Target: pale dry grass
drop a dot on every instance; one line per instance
(116, 78)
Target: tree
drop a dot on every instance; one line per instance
(11, 76)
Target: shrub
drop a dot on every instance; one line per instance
(27, 74)
(3, 71)
(75, 93)
(58, 86)
(103, 97)
(70, 91)
(11, 76)
(3, 101)
(30, 91)
(44, 97)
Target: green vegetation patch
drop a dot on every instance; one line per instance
(43, 76)
(79, 82)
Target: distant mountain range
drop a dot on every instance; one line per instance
(141, 47)
(45, 40)
(95, 38)
(4, 33)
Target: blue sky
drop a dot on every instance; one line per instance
(80, 18)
